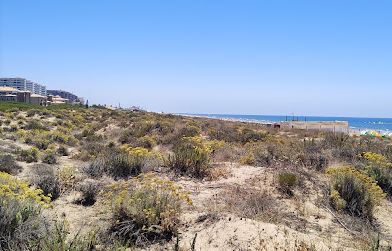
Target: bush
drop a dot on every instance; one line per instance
(316, 160)
(189, 131)
(146, 142)
(8, 164)
(68, 178)
(30, 155)
(40, 143)
(354, 192)
(145, 209)
(287, 181)
(62, 151)
(21, 222)
(35, 125)
(57, 239)
(89, 190)
(119, 165)
(249, 135)
(49, 158)
(380, 169)
(191, 156)
(45, 178)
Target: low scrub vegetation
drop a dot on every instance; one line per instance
(145, 209)
(97, 156)
(46, 179)
(9, 165)
(30, 155)
(354, 192)
(21, 221)
(287, 181)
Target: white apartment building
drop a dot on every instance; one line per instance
(23, 84)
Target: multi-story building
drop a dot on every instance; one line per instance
(23, 84)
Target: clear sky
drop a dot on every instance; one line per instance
(207, 56)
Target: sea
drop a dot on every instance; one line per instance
(382, 125)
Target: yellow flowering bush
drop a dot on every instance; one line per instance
(145, 208)
(380, 169)
(191, 156)
(14, 188)
(354, 191)
(377, 159)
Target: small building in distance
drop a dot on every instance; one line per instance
(24, 96)
(68, 98)
(36, 99)
(9, 94)
(57, 100)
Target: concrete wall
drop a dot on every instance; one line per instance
(334, 126)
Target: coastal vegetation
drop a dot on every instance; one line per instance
(77, 178)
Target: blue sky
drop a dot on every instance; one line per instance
(203, 56)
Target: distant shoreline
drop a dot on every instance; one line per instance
(370, 124)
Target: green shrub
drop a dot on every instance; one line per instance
(62, 151)
(314, 160)
(57, 239)
(262, 157)
(13, 128)
(191, 156)
(249, 135)
(49, 157)
(30, 155)
(189, 131)
(146, 142)
(9, 165)
(145, 209)
(89, 190)
(21, 222)
(41, 143)
(118, 165)
(35, 125)
(32, 112)
(380, 169)
(354, 192)
(45, 178)
(383, 177)
(287, 181)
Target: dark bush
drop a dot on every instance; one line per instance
(30, 155)
(35, 125)
(383, 176)
(189, 131)
(249, 135)
(49, 158)
(351, 194)
(89, 190)
(21, 224)
(287, 181)
(9, 165)
(116, 165)
(262, 157)
(41, 144)
(45, 178)
(62, 151)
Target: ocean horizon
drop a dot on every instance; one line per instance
(355, 123)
